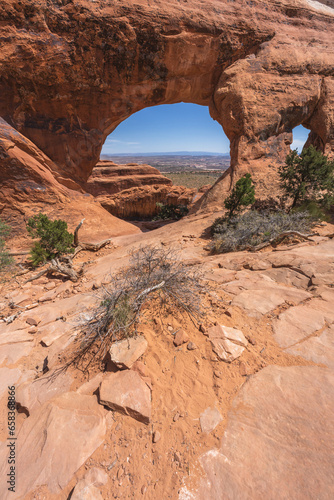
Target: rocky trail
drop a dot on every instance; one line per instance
(239, 406)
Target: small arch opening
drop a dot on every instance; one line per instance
(300, 135)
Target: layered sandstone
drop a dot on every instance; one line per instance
(70, 72)
(132, 191)
(108, 178)
(141, 202)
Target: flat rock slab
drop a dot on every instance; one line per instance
(52, 332)
(8, 377)
(124, 353)
(15, 345)
(209, 420)
(317, 349)
(32, 395)
(126, 392)
(278, 444)
(297, 323)
(84, 491)
(262, 297)
(228, 343)
(54, 442)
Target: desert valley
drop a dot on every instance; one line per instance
(166, 321)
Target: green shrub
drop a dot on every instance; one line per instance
(253, 228)
(241, 196)
(5, 259)
(54, 239)
(314, 209)
(174, 212)
(308, 176)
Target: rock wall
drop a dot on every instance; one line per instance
(70, 72)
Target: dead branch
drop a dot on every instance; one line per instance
(280, 237)
(64, 267)
(76, 231)
(91, 247)
(38, 275)
(16, 254)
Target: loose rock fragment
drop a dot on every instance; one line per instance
(228, 343)
(209, 420)
(124, 353)
(126, 392)
(181, 338)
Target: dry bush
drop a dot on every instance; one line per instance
(253, 228)
(153, 274)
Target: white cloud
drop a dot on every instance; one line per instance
(297, 144)
(122, 142)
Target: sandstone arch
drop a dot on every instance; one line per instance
(72, 71)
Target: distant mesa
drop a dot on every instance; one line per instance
(108, 178)
(132, 191)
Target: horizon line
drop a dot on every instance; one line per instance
(169, 153)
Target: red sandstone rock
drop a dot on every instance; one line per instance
(228, 343)
(125, 391)
(55, 441)
(30, 183)
(107, 178)
(142, 201)
(262, 69)
(181, 337)
(209, 420)
(124, 353)
(278, 439)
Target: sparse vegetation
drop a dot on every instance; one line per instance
(194, 179)
(174, 212)
(153, 274)
(5, 258)
(54, 239)
(253, 228)
(241, 196)
(308, 176)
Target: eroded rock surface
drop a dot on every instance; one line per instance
(54, 442)
(125, 353)
(277, 443)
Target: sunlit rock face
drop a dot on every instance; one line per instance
(72, 71)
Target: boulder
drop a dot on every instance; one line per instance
(181, 337)
(126, 392)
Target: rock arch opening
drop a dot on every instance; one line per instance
(168, 154)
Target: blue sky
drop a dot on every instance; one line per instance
(174, 127)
